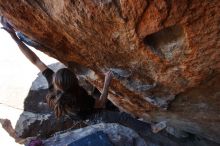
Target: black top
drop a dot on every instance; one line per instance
(87, 102)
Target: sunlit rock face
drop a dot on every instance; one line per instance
(158, 50)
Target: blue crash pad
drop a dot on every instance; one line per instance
(96, 139)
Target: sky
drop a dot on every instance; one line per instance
(16, 76)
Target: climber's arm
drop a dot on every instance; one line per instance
(24, 49)
(100, 103)
(6, 124)
(30, 55)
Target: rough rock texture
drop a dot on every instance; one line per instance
(158, 50)
(44, 125)
(174, 137)
(37, 119)
(117, 134)
(120, 136)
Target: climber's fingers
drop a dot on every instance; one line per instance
(108, 77)
(5, 123)
(109, 74)
(2, 121)
(7, 29)
(1, 19)
(11, 32)
(5, 23)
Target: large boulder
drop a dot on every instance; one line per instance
(44, 125)
(159, 50)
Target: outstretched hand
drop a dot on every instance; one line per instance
(108, 78)
(103, 98)
(7, 27)
(6, 124)
(5, 23)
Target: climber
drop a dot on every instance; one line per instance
(65, 96)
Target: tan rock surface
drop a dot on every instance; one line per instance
(158, 49)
